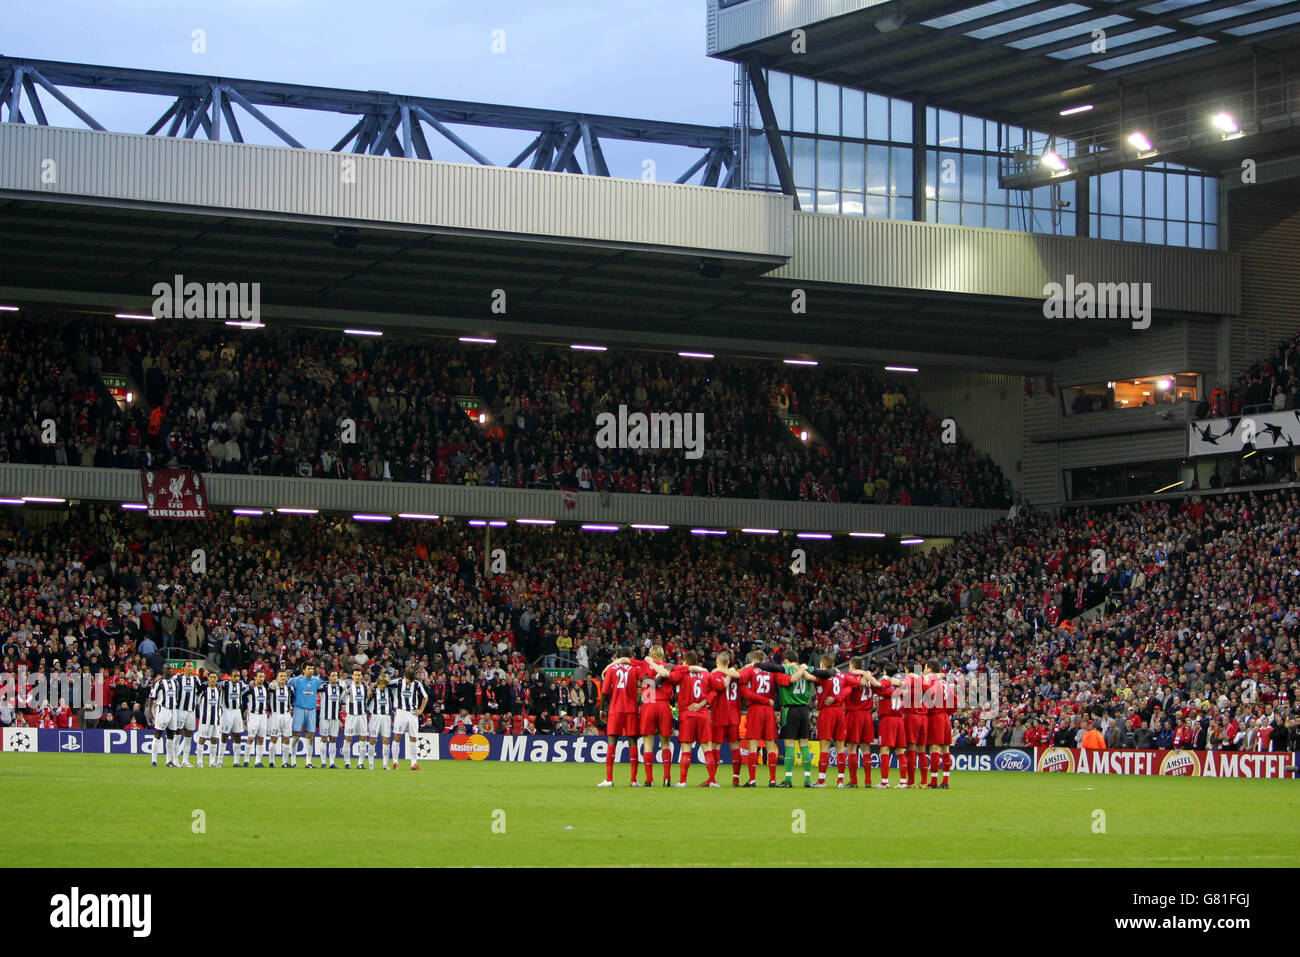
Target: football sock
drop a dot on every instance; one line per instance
(609, 764)
(924, 760)
(636, 763)
(686, 761)
(853, 768)
(866, 767)
(735, 762)
(805, 752)
(667, 756)
(771, 765)
(711, 762)
(751, 762)
(648, 759)
(947, 766)
(332, 750)
(789, 761)
(823, 762)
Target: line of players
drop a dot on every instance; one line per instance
(189, 711)
(913, 715)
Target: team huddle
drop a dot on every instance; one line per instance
(910, 712)
(270, 719)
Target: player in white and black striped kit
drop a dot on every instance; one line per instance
(411, 700)
(329, 701)
(356, 700)
(381, 720)
(209, 709)
(162, 698)
(282, 719)
(257, 702)
(233, 689)
(188, 687)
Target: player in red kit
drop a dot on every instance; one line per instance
(859, 731)
(758, 688)
(914, 722)
(696, 691)
(726, 714)
(621, 687)
(893, 736)
(833, 690)
(939, 733)
(656, 714)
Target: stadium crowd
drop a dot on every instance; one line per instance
(274, 401)
(1192, 629)
(1269, 384)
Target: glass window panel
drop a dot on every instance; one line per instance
(1068, 221)
(1176, 234)
(1132, 229)
(1155, 198)
(972, 214)
(900, 207)
(1211, 201)
(877, 206)
(972, 133)
(900, 171)
(877, 117)
(853, 109)
(949, 128)
(1132, 196)
(828, 109)
(931, 210)
(855, 167)
(1110, 227)
(805, 199)
(778, 88)
(992, 192)
(854, 204)
(1195, 235)
(931, 174)
(972, 179)
(1014, 137)
(901, 123)
(1211, 236)
(828, 201)
(950, 213)
(1194, 199)
(1109, 192)
(1176, 197)
(878, 170)
(805, 105)
(1155, 230)
(949, 175)
(828, 164)
(931, 126)
(995, 216)
(805, 172)
(991, 135)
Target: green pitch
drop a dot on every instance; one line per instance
(107, 810)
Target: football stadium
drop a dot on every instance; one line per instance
(927, 422)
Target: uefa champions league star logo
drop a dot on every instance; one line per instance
(424, 747)
(21, 740)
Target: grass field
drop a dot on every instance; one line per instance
(109, 810)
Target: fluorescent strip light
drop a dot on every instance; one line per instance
(901, 369)
(245, 325)
(584, 348)
(600, 528)
(800, 362)
(246, 511)
(135, 506)
(911, 541)
(476, 522)
(143, 316)
(372, 518)
(866, 534)
(652, 528)
(298, 511)
(42, 500)
(11, 501)
(534, 521)
(1076, 109)
(696, 355)
(8, 308)
(814, 535)
(417, 515)
(707, 531)
(363, 332)
(760, 531)
(498, 524)
(1178, 483)
(479, 340)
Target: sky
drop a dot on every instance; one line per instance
(637, 58)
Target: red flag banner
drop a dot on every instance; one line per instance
(570, 497)
(174, 493)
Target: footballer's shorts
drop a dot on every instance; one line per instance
(916, 727)
(185, 721)
(858, 728)
(232, 721)
(939, 730)
(796, 722)
(726, 732)
(892, 734)
(329, 727)
(281, 725)
(625, 723)
(381, 725)
(165, 719)
(355, 726)
(405, 723)
(304, 720)
(257, 725)
(760, 723)
(693, 726)
(830, 723)
(210, 730)
(657, 718)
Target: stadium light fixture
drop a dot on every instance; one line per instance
(246, 511)
(866, 534)
(498, 524)
(1138, 140)
(479, 340)
(135, 506)
(1082, 108)
(298, 511)
(696, 355)
(240, 324)
(803, 435)
(141, 316)
(420, 516)
(364, 332)
(584, 347)
(800, 362)
(650, 528)
(477, 522)
(1225, 123)
(11, 501)
(43, 500)
(707, 531)
(911, 541)
(760, 531)
(901, 369)
(814, 535)
(600, 528)
(534, 521)
(372, 518)
(8, 308)
(1052, 160)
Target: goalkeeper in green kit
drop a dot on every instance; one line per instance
(796, 720)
